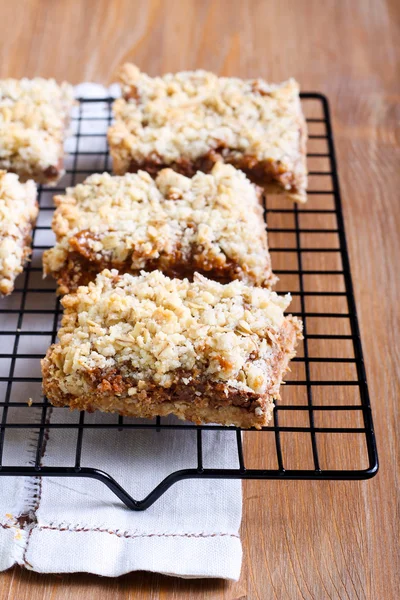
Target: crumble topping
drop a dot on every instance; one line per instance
(208, 221)
(187, 114)
(18, 212)
(33, 117)
(151, 328)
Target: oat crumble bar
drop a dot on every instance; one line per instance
(149, 345)
(211, 224)
(34, 115)
(189, 120)
(18, 212)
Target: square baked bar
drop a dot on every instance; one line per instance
(190, 120)
(150, 345)
(18, 213)
(212, 224)
(34, 115)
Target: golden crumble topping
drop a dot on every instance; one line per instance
(211, 223)
(151, 328)
(34, 114)
(189, 115)
(18, 212)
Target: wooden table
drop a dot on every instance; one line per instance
(310, 540)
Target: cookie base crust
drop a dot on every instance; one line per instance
(49, 176)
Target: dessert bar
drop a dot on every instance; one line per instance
(149, 345)
(211, 223)
(18, 213)
(190, 120)
(34, 115)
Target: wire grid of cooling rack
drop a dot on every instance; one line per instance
(322, 427)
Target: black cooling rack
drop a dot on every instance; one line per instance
(322, 427)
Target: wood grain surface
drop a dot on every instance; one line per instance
(301, 540)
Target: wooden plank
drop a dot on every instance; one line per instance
(307, 540)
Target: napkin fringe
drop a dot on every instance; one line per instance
(130, 534)
(23, 517)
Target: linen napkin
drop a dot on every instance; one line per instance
(64, 525)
